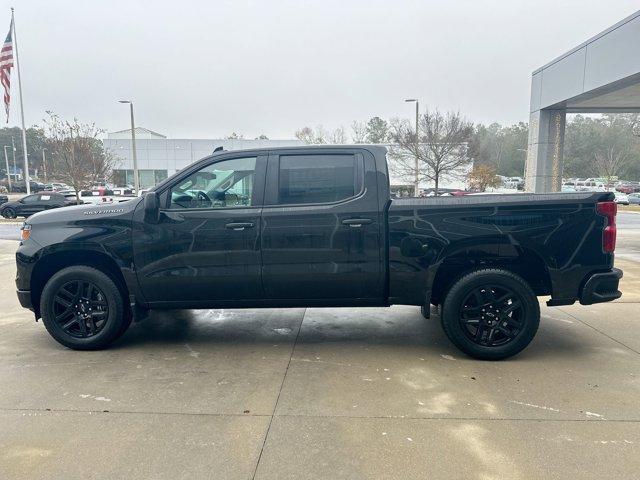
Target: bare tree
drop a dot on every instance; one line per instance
(358, 132)
(338, 136)
(305, 134)
(310, 136)
(441, 146)
(610, 161)
(78, 158)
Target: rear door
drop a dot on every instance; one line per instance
(51, 200)
(321, 235)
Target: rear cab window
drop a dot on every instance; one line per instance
(317, 178)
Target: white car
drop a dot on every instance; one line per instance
(622, 198)
(88, 197)
(123, 192)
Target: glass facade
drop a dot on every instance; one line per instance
(147, 178)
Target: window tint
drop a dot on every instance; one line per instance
(316, 178)
(30, 199)
(224, 184)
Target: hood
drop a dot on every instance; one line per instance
(75, 213)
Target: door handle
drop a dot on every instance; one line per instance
(239, 226)
(357, 222)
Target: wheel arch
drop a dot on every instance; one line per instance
(55, 261)
(518, 259)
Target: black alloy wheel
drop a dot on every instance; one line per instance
(80, 309)
(84, 308)
(9, 213)
(492, 315)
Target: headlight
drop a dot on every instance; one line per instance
(25, 231)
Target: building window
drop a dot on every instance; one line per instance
(148, 178)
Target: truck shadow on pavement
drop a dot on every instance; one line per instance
(400, 326)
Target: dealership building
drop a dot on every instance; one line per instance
(601, 75)
(159, 156)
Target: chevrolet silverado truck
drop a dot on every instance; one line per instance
(316, 227)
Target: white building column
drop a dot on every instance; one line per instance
(543, 171)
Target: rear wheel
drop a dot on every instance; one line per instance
(82, 308)
(491, 314)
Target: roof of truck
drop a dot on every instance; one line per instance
(306, 147)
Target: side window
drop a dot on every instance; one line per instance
(316, 178)
(30, 199)
(224, 184)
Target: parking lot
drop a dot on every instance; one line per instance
(323, 393)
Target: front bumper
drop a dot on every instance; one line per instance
(601, 287)
(24, 297)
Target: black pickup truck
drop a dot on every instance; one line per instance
(316, 227)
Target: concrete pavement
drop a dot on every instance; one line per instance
(321, 393)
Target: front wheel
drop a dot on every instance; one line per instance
(9, 213)
(82, 308)
(491, 314)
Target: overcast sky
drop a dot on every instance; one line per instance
(202, 69)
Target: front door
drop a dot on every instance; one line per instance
(321, 235)
(205, 248)
(30, 204)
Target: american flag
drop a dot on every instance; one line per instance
(6, 63)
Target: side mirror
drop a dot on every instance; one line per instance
(151, 207)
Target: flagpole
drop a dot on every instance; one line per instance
(27, 179)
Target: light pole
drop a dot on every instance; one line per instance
(13, 144)
(44, 165)
(136, 180)
(6, 161)
(417, 166)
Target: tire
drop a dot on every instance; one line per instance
(83, 309)
(490, 314)
(9, 213)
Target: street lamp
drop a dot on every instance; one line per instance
(136, 181)
(417, 166)
(6, 161)
(13, 145)
(44, 165)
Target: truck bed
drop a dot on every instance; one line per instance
(557, 236)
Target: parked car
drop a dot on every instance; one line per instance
(634, 198)
(31, 204)
(315, 226)
(97, 196)
(101, 190)
(3, 199)
(21, 186)
(123, 192)
(56, 187)
(621, 198)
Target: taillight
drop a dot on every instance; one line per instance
(608, 210)
(25, 232)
